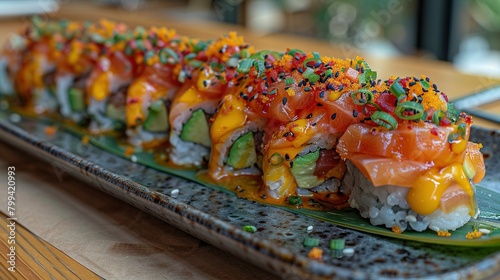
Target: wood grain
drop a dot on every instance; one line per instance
(35, 258)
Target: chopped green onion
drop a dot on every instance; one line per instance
(328, 73)
(416, 108)
(397, 89)
(385, 120)
(292, 52)
(244, 65)
(337, 244)
(200, 46)
(217, 67)
(245, 53)
(196, 63)
(462, 129)
(316, 55)
(425, 84)
(148, 55)
(367, 76)
(289, 81)
(453, 136)
(168, 55)
(295, 200)
(273, 92)
(259, 65)
(189, 56)
(437, 116)
(250, 229)
(306, 62)
(310, 75)
(452, 113)
(362, 97)
(311, 242)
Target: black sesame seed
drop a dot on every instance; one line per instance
(319, 104)
(287, 157)
(286, 134)
(291, 164)
(334, 115)
(337, 74)
(284, 100)
(205, 83)
(322, 94)
(434, 86)
(341, 87)
(245, 97)
(313, 124)
(309, 116)
(412, 84)
(355, 113)
(307, 89)
(427, 79)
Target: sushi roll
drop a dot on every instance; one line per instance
(73, 69)
(107, 84)
(237, 131)
(35, 80)
(167, 64)
(303, 98)
(410, 165)
(198, 98)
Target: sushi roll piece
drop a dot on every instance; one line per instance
(410, 164)
(304, 97)
(73, 69)
(171, 59)
(35, 79)
(107, 84)
(198, 98)
(237, 131)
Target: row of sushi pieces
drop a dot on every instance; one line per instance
(311, 126)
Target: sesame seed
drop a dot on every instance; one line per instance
(133, 158)
(334, 115)
(284, 100)
(322, 94)
(310, 228)
(287, 157)
(307, 89)
(355, 113)
(484, 230)
(319, 104)
(309, 116)
(174, 193)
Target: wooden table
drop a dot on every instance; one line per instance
(74, 231)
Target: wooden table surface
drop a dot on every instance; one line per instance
(90, 232)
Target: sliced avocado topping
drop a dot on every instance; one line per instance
(115, 113)
(76, 100)
(157, 119)
(196, 129)
(303, 170)
(242, 154)
(469, 169)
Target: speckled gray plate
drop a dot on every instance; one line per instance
(217, 217)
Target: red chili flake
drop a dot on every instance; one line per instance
(132, 100)
(445, 122)
(444, 96)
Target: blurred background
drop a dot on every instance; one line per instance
(463, 32)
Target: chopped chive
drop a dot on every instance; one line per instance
(289, 81)
(337, 244)
(244, 65)
(311, 242)
(250, 229)
(384, 119)
(397, 89)
(425, 84)
(416, 109)
(295, 200)
(168, 55)
(437, 116)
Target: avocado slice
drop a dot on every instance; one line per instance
(242, 154)
(157, 120)
(303, 170)
(469, 168)
(196, 129)
(76, 100)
